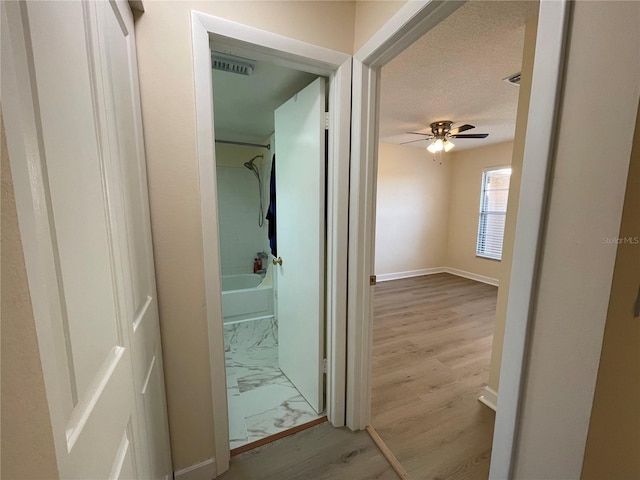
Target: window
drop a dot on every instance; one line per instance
(493, 211)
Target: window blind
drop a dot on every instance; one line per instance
(493, 211)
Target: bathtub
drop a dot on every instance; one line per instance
(246, 297)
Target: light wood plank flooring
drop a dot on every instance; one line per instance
(431, 355)
(319, 453)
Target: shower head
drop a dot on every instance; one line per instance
(250, 164)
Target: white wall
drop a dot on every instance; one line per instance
(411, 211)
(238, 205)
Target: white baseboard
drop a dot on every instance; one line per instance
(489, 397)
(200, 471)
(385, 277)
(472, 276)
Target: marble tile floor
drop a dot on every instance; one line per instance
(262, 400)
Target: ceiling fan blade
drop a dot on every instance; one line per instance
(461, 128)
(470, 135)
(418, 133)
(414, 141)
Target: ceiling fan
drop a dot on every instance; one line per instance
(441, 133)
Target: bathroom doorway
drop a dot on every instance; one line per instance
(270, 170)
(210, 33)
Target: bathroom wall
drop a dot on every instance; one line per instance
(238, 206)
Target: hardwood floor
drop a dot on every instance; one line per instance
(319, 453)
(431, 353)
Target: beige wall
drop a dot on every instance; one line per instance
(464, 204)
(411, 211)
(613, 442)
(370, 16)
(512, 205)
(167, 93)
(586, 198)
(27, 439)
(427, 213)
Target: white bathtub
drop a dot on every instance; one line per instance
(246, 297)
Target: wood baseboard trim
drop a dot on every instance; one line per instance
(277, 436)
(388, 454)
(200, 471)
(489, 397)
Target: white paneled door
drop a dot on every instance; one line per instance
(300, 207)
(75, 139)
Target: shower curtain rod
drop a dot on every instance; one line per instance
(245, 144)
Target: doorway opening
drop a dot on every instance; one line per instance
(209, 34)
(270, 171)
(444, 211)
(408, 25)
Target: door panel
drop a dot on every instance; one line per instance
(76, 192)
(115, 26)
(117, 37)
(123, 467)
(300, 181)
(98, 330)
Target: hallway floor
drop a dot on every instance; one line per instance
(262, 400)
(318, 453)
(431, 354)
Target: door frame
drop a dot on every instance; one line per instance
(208, 30)
(412, 21)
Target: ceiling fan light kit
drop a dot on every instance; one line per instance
(439, 144)
(448, 145)
(442, 133)
(436, 146)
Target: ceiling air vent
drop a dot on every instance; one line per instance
(513, 79)
(229, 63)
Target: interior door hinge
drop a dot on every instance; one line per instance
(324, 365)
(326, 120)
(372, 280)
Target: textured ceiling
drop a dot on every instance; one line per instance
(455, 71)
(244, 105)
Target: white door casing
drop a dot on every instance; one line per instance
(210, 32)
(75, 139)
(412, 21)
(300, 225)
